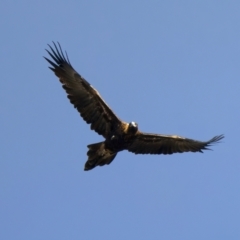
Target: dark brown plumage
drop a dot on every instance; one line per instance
(118, 135)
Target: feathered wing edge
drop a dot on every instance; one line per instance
(82, 95)
(145, 143)
(58, 57)
(212, 141)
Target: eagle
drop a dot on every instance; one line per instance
(119, 135)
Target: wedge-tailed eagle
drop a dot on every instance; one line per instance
(118, 135)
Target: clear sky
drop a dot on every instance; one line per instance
(171, 66)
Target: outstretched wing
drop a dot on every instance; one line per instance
(145, 143)
(82, 95)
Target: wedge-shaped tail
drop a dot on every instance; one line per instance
(98, 155)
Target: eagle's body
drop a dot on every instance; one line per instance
(118, 134)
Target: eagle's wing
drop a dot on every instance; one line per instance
(82, 95)
(145, 143)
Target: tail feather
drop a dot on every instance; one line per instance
(98, 155)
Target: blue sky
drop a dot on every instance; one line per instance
(171, 66)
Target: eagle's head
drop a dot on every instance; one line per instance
(132, 127)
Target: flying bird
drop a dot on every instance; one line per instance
(119, 135)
